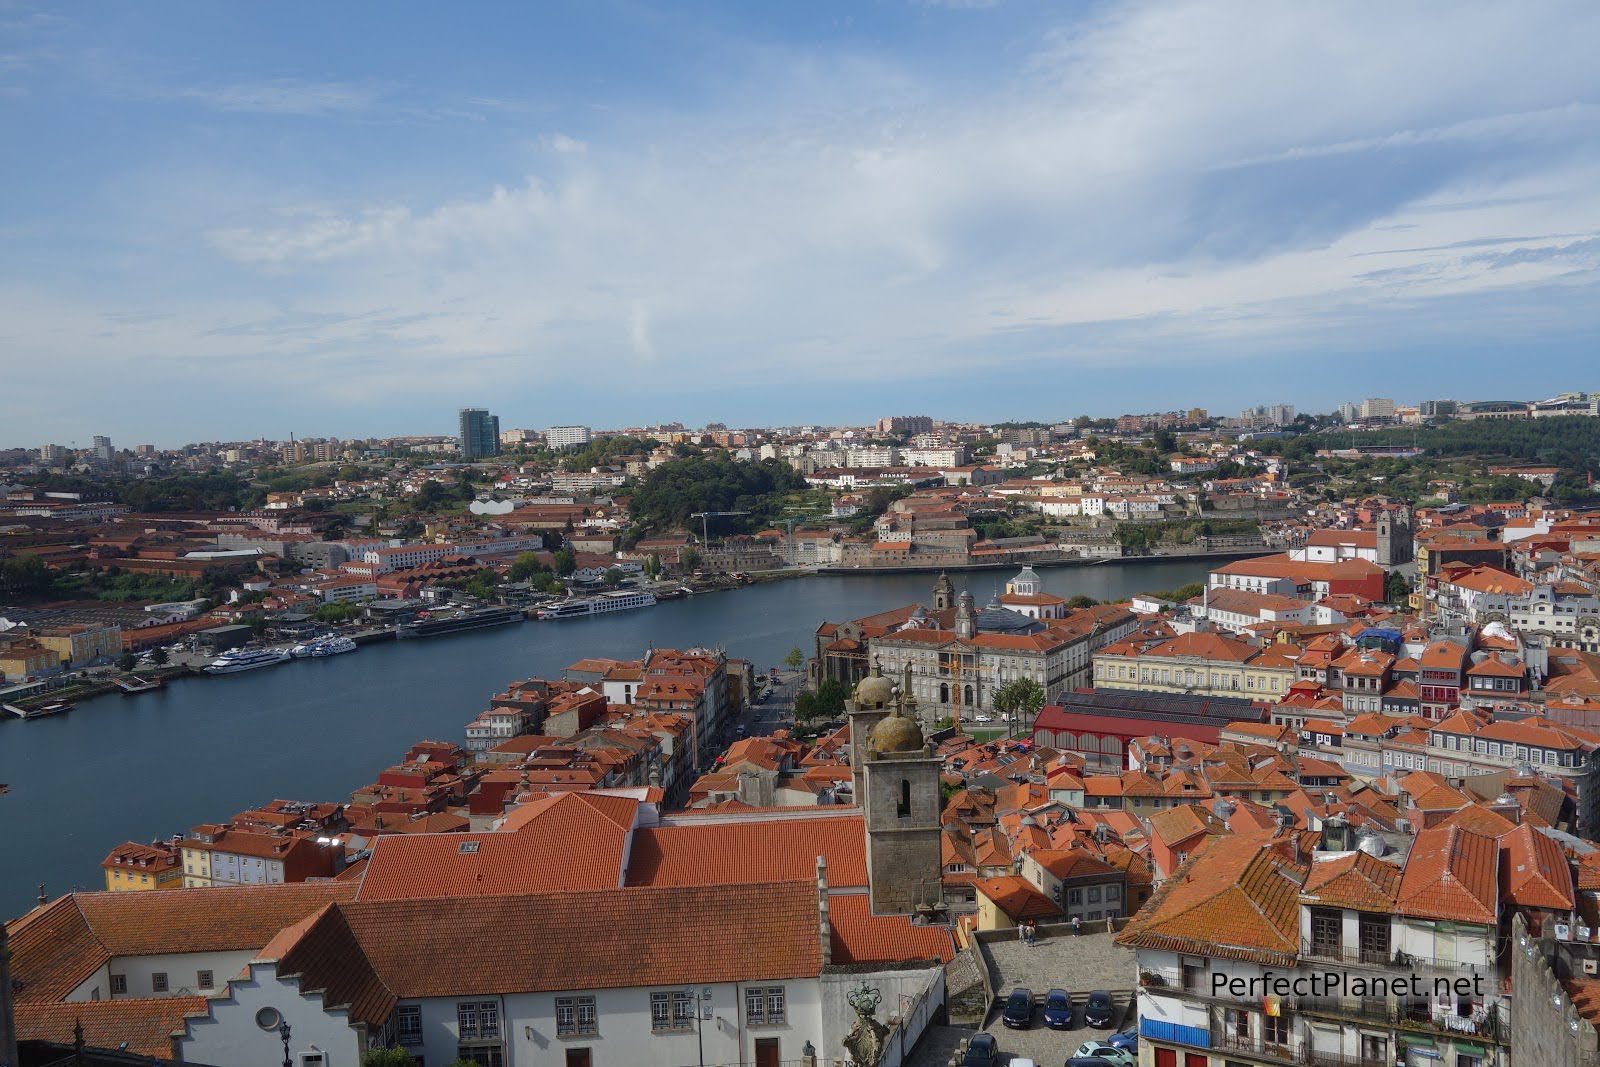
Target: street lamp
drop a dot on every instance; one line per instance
(699, 1034)
(283, 1032)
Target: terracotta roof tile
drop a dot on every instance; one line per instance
(1451, 874)
(861, 937)
(1236, 897)
(657, 935)
(568, 841)
(754, 850)
(1352, 880)
(55, 947)
(145, 1025)
(1534, 872)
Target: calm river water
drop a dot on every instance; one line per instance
(136, 768)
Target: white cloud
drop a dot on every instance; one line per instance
(1244, 171)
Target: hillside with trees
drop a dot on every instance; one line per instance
(669, 495)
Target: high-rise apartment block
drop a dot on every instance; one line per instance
(480, 434)
(898, 424)
(559, 437)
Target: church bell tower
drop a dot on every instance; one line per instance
(897, 786)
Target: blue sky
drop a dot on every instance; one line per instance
(225, 221)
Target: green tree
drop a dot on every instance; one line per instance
(388, 1057)
(565, 561)
(826, 703)
(612, 577)
(158, 656)
(1081, 601)
(795, 659)
(652, 566)
(1019, 700)
(1396, 589)
(689, 559)
(525, 566)
(126, 662)
(24, 576)
(334, 612)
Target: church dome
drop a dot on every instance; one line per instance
(874, 691)
(897, 733)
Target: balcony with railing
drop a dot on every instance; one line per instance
(1489, 1021)
(1373, 956)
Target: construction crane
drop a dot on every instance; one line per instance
(956, 669)
(706, 516)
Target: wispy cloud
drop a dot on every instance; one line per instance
(1150, 180)
(286, 96)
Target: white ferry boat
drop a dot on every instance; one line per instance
(247, 660)
(323, 646)
(603, 604)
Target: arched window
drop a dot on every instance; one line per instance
(944, 693)
(904, 809)
(968, 699)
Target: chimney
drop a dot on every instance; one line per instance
(824, 927)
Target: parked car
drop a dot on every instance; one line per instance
(1085, 1061)
(1104, 1053)
(1098, 1010)
(1021, 1061)
(1058, 1010)
(1128, 1040)
(982, 1051)
(1018, 1013)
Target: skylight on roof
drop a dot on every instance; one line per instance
(467, 848)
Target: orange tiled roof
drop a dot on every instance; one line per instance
(744, 851)
(653, 936)
(1534, 872)
(143, 1025)
(859, 937)
(57, 946)
(1451, 874)
(1237, 897)
(1352, 880)
(536, 853)
(1016, 897)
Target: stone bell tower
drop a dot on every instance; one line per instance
(943, 592)
(897, 775)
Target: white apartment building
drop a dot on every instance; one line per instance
(559, 437)
(1327, 949)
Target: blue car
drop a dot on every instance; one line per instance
(1058, 1010)
(1127, 1040)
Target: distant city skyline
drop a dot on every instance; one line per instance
(228, 222)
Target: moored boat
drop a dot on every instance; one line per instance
(604, 604)
(247, 660)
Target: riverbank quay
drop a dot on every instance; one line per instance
(1050, 562)
(310, 727)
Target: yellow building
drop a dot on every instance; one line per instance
(133, 868)
(1009, 899)
(26, 658)
(1204, 662)
(81, 644)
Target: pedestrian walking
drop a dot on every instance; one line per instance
(1077, 926)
